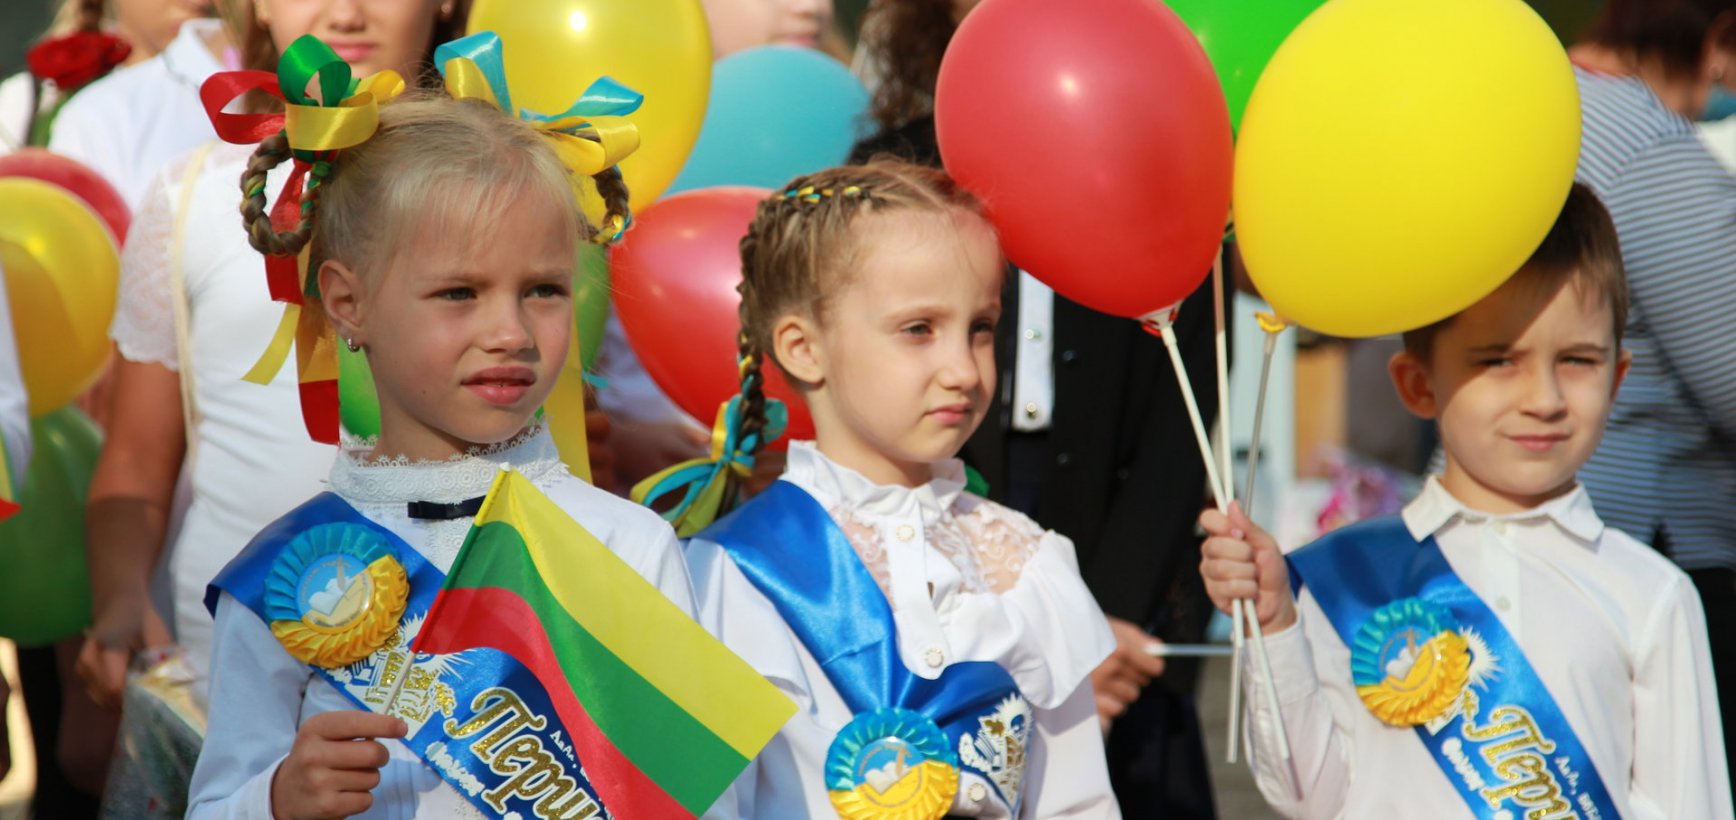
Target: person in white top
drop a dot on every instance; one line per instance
(129, 124)
(936, 643)
(443, 247)
(195, 459)
(1496, 651)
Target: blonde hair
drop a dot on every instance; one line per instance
(800, 250)
(461, 161)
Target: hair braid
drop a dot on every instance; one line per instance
(617, 215)
(272, 152)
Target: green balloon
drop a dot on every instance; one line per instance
(44, 580)
(591, 301)
(1240, 37)
(359, 404)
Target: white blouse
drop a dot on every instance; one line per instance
(260, 695)
(968, 580)
(126, 126)
(249, 459)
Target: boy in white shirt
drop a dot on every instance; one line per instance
(1495, 651)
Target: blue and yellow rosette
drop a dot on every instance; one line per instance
(335, 594)
(891, 763)
(1409, 662)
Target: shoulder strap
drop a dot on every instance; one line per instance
(180, 300)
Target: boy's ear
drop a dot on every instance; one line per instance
(796, 344)
(340, 291)
(1623, 361)
(1410, 377)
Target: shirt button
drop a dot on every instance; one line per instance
(1030, 409)
(1069, 356)
(934, 657)
(905, 532)
(976, 792)
(1500, 528)
(1033, 334)
(1062, 459)
(1503, 604)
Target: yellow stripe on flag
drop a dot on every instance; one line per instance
(654, 636)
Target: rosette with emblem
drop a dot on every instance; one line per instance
(335, 594)
(891, 763)
(1409, 662)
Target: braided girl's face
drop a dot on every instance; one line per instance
(467, 327)
(903, 361)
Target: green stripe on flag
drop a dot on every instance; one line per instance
(666, 742)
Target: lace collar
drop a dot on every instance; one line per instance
(836, 486)
(359, 478)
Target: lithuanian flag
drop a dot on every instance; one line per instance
(662, 715)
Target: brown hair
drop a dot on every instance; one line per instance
(800, 250)
(907, 39)
(1672, 32)
(1581, 248)
(458, 159)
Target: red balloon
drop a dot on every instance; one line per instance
(675, 276)
(78, 180)
(1097, 136)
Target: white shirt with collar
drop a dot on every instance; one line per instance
(1613, 628)
(129, 124)
(968, 580)
(260, 696)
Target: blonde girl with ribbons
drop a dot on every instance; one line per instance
(436, 233)
(196, 460)
(938, 645)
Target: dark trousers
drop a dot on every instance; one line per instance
(1718, 596)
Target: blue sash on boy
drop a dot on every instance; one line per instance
(479, 719)
(1425, 651)
(973, 714)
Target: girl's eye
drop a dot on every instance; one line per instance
(1495, 361)
(547, 290)
(982, 326)
(1581, 361)
(456, 294)
(918, 329)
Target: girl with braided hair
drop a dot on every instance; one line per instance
(443, 247)
(178, 488)
(938, 645)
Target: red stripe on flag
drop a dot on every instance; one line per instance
(495, 618)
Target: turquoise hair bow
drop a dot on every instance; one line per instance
(705, 479)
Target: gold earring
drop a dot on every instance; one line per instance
(446, 10)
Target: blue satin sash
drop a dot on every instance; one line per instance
(792, 551)
(1507, 749)
(477, 718)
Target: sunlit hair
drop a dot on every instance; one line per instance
(1581, 250)
(802, 248)
(436, 163)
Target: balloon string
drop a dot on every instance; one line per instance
(1237, 608)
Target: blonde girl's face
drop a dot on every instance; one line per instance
(467, 326)
(904, 357)
(738, 25)
(370, 35)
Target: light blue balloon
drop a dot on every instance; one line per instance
(776, 112)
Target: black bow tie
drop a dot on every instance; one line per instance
(432, 511)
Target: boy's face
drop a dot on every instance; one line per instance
(1522, 383)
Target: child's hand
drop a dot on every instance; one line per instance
(1239, 561)
(333, 766)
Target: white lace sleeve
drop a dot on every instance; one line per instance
(144, 324)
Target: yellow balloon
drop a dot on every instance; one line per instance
(62, 274)
(555, 49)
(1400, 159)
